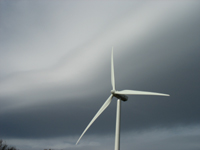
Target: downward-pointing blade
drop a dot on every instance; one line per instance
(112, 71)
(133, 92)
(105, 105)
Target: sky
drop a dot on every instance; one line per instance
(55, 61)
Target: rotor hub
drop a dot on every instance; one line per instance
(113, 91)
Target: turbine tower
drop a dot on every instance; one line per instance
(120, 95)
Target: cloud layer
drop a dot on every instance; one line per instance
(55, 72)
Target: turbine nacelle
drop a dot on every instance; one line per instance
(121, 97)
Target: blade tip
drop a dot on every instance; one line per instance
(77, 142)
(166, 95)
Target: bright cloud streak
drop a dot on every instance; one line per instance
(135, 25)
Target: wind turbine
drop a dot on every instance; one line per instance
(121, 95)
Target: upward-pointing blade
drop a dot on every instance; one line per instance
(105, 105)
(112, 71)
(133, 92)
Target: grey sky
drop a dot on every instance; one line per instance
(55, 73)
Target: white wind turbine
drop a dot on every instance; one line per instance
(121, 95)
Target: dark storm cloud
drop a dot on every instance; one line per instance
(158, 54)
(174, 138)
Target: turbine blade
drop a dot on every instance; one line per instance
(112, 71)
(133, 92)
(103, 107)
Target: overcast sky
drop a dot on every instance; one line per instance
(55, 73)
